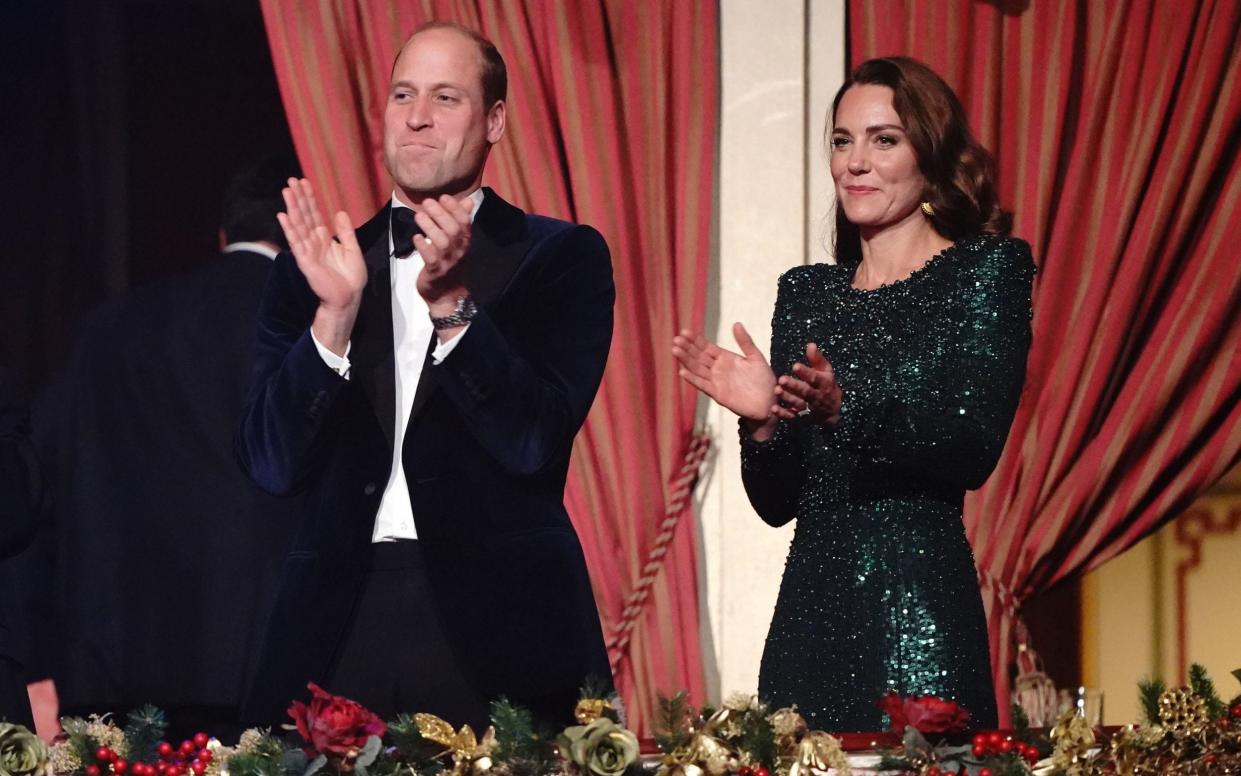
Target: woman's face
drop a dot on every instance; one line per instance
(873, 164)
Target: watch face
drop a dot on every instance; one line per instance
(467, 309)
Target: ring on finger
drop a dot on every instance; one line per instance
(804, 412)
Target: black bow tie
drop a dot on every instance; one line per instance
(404, 229)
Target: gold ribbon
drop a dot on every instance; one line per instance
(590, 709)
(469, 755)
(817, 753)
(1073, 737)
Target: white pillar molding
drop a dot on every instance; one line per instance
(781, 62)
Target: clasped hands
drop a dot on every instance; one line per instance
(745, 383)
(336, 272)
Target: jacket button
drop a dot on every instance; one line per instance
(370, 489)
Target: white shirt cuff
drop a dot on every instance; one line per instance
(338, 364)
(444, 348)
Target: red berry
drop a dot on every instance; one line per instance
(201, 739)
(1210, 759)
(760, 771)
(980, 739)
(91, 770)
(932, 771)
(994, 738)
(979, 750)
(104, 754)
(119, 765)
(1006, 746)
(1235, 711)
(204, 755)
(187, 747)
(198, 768)
(984, 771)
(164, 749)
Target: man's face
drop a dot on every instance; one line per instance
(437, 131)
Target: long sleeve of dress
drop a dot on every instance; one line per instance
(956, 438)
(774, 471)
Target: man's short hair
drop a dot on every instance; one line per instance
(494, 73)
(253, 199)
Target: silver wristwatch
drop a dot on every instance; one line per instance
(465, 312)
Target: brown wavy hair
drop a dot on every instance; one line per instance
(959, 172)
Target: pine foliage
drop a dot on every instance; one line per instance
(411, 747)
(758, 737)
(1149, 690)
(671, 726)
(523, 745)
(268, 757)
(1202, 686)
(144, 729)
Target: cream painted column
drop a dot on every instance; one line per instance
(781, 62)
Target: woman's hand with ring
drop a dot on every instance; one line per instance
(811, 394)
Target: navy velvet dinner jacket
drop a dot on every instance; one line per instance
(485, 453)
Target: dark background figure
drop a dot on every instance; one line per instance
(165, 552)
(125, 131)
(20, 497)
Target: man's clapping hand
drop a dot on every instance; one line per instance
(333, 266)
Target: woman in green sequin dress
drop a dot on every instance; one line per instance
(900, 369)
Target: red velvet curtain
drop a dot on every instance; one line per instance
(612, 122)
(1117, 127)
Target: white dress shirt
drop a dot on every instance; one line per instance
(254, 247)
(411, 336)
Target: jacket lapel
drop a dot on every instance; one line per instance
(499, 241)
(373, 355)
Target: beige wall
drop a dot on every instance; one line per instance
(1169, 601)
(781, 60)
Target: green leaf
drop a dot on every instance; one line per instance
(916, 743)
(294, 762)
(315, 766)
(370, 750)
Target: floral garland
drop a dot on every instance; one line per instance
(1188, 731)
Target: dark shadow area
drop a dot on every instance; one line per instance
(126, 118)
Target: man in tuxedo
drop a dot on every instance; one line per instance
(166, 553)
(422, 379)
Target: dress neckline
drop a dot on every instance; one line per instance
(908, 279)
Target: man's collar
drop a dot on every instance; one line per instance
(476, 195)
(262, 249)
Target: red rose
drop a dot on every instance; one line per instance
(928, 714)
(332, 725)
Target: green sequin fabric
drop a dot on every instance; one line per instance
(880, 591)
